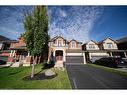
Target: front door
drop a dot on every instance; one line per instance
(59, 55)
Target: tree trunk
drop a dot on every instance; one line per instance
(33, 66)
(39, 60)
(36, 59)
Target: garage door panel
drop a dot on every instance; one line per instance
(74, 59)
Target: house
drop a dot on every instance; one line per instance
(93, 51)
(111, 46)
(122, 43)
(4, 48)
(107, 47)
(19, 54)
(14, 52)
(66, 51)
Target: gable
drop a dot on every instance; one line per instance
(92, 42)
(57, 37)
(108, 40)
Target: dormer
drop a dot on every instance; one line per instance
(108, 44)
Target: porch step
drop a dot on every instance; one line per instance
(59, 64)
(16, 64)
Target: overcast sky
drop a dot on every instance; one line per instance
(72, 22)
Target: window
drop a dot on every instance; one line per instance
(73, 44)
(59, 43)
(79, 45)
(66, 45)
(110, 45)
(91, 46)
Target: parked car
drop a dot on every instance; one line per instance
(2, 62)
(110, 62)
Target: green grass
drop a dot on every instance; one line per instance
(108, 69)
(12, 78)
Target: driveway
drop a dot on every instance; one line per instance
(87, 77)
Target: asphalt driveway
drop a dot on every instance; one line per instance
(87, 77)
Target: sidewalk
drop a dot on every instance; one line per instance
(122, 69)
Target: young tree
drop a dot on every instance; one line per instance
(36, 36)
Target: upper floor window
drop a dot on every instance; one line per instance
(73, 44)
(59, 43)
(110, 45)
(91, 46)
(79, 45)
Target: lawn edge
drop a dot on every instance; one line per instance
(109, 69)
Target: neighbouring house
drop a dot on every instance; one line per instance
(14, 52)
(19, 54)
(4, 48)
(107, 47)
(122, 43)
(93, 51)
(111, 46)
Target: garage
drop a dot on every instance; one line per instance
(74, 60)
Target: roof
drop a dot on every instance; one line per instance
(74, 51)
(75, 41)
(117, 50)
(56, 37)
(96, 51)
(122, 40)
(10, 41)
(92, 41)
(5, 51)
(19, 48)
(3, 38)
(106, 39)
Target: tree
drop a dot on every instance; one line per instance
(36, 36)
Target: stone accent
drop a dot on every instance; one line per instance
(49, 73)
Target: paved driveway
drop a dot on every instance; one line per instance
(87, 77)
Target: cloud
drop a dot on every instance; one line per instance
(73, 22)
(11, 20)
(68, 21)
(63, 13)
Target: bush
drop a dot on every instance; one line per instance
(47, 65)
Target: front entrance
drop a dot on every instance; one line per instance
(59, 55)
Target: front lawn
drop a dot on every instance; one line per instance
(108, 69)
(13, 78)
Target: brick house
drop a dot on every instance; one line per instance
(66, 51)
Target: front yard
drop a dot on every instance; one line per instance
(13, 78)
(115, 70)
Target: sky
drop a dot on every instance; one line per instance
(82, 23)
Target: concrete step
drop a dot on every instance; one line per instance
(59, 64)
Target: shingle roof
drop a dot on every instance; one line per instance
(122, 40)
(57, 37)
(105, 39)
